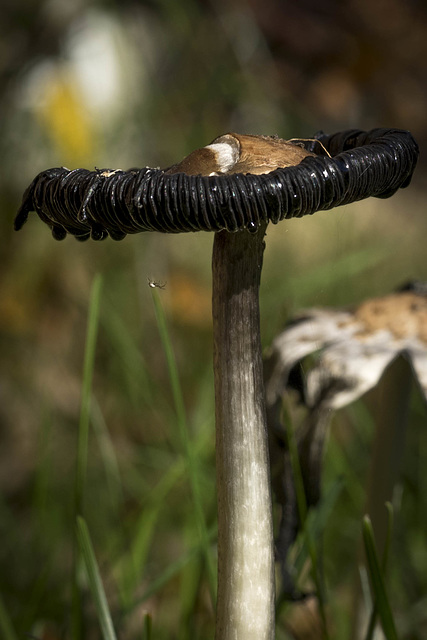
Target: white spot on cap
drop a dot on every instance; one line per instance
(226, 155)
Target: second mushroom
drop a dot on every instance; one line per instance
(235, 187)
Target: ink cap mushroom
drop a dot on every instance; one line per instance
(234, 187)
(378, 343)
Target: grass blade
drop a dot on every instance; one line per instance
(108, 454)
(382, 604)
(373, 619)
(133, 563)
(144, 530)
(95, 581)
(7, 631)
(133, 369)
(89, 359)
(173, 569)
(186, 442)
(148, 623)
(82, 440)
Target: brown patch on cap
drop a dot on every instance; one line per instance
(236, 153)
(403, 314)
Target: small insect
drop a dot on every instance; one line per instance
(156, 285)
(300, 142)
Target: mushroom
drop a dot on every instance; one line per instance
(234, 186)
(381, 338)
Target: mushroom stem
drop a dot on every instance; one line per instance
(246, 594)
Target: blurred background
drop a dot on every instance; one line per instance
(124, 84)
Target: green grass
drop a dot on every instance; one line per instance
(95, 581)
(82, 449)
(136, 411)
(148, 567)
(187, 444)
(6, 626)
(85, 408)
(377, 573)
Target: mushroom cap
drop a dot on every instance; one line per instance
(236, 182)
(353, 348)
(236, 153)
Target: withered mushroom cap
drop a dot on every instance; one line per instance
(236, 182)
(351, 350)
(353, 347)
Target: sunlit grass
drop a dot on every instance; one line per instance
(187, 444)
(149, 503)
(95, 581)
(146, 475)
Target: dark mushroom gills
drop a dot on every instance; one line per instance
(234, 186)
